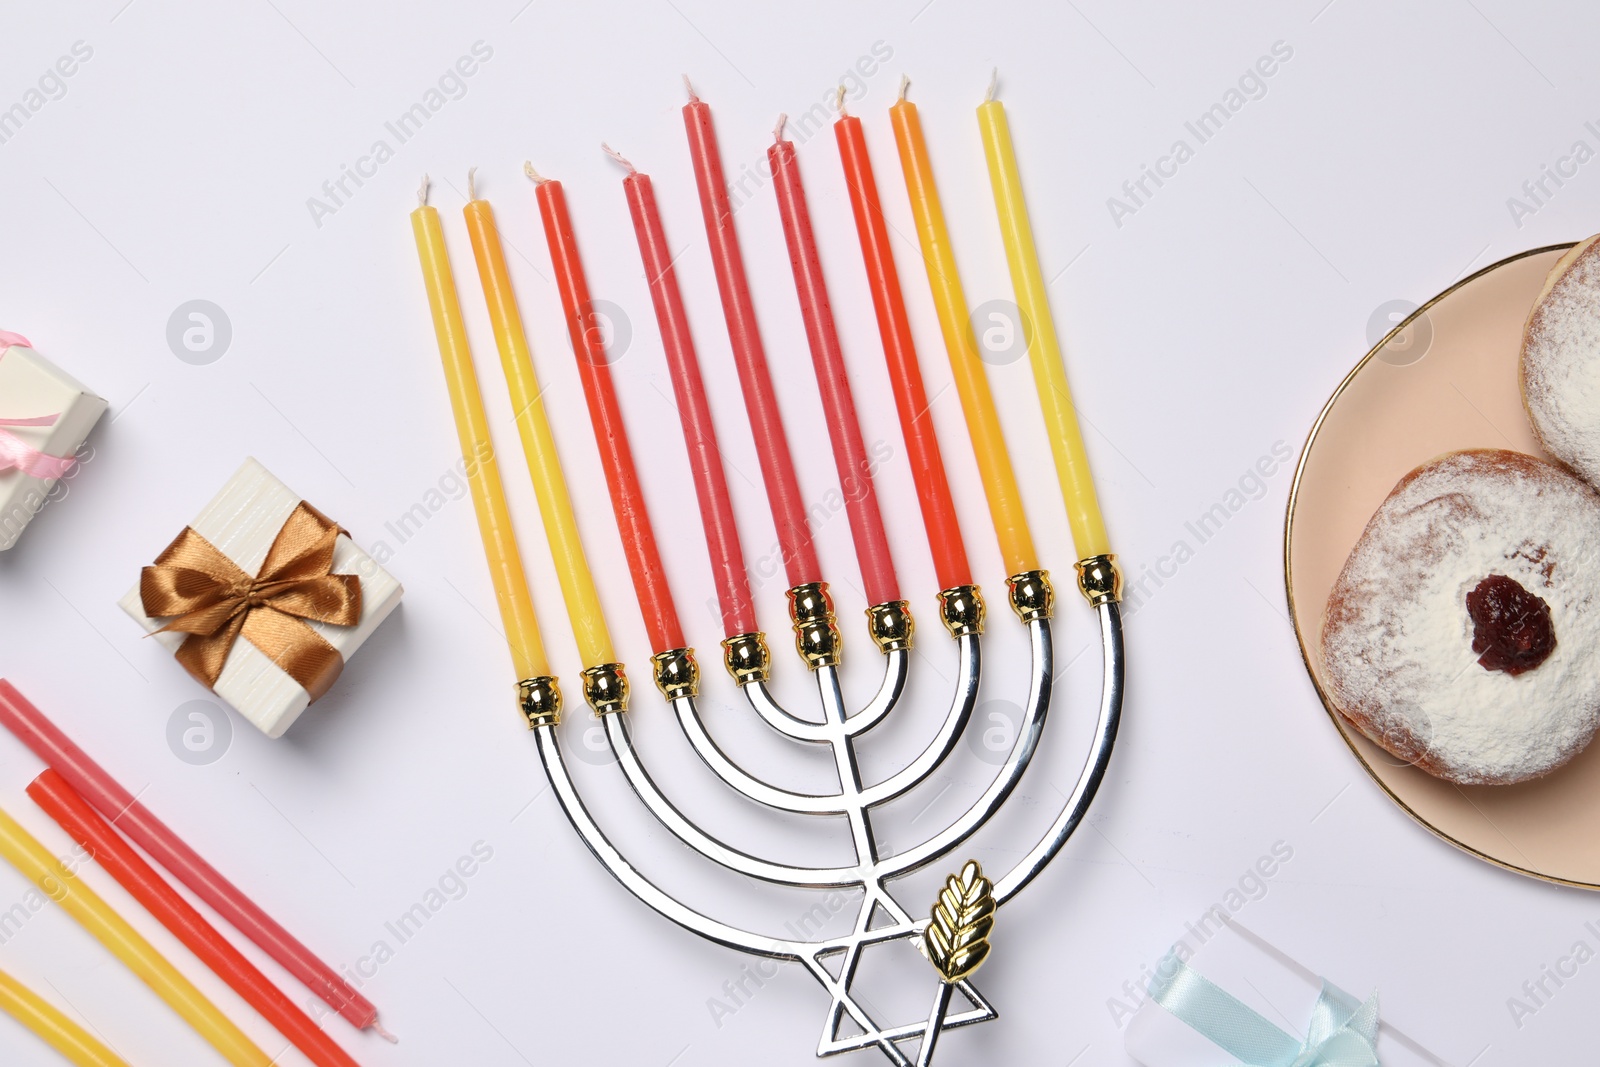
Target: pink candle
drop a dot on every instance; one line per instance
(827, 359)
(760, 400)
(94, 833)
(114, 802)
(694, 410)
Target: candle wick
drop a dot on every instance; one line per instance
(619, 157)
(905, 84)
(838, 102)
(693, 98)
(777, 131)
(472, 184)
(422, 192)
(994, 83)
(386, 1035)
(533, 175)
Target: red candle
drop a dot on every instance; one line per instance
(109, 798)
(849, 452)
(74, 814)
(694, 411)
(610, 432)
(760, 401)
(899, 351)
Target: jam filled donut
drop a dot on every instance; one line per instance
(1464, 631)
(1561, 362)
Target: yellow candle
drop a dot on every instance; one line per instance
(472, 426)
(972, 384)
(52, 1027)
(54, 880)
(1044, 351)
(538, 444)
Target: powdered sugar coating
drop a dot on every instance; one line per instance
(1561, 363)
(1397, 638)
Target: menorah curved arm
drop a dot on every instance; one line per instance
(897, 665)
(1000, 789)
(665, 905)
(1094, 768)
(730, 772)
(968, 672)
(647, 891)
(781, 719)
(686, 831)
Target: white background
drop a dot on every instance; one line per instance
(1205, 329)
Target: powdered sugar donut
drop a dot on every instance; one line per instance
(1561, 362)
(1463, 634)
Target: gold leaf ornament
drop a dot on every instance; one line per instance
(957, 937)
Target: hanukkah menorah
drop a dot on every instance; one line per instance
(837, 731)
(954, 934)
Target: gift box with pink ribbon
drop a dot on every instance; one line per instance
(262, 599)
(45, 417)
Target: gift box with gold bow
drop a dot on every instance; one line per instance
(263, 598)
(45, 415)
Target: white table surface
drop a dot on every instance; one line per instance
(1203, 333)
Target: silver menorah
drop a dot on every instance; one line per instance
(955, 936)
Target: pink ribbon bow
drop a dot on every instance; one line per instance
(15, 452)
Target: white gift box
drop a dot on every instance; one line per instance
(1264, 978)
(242, 523)
(32, 387)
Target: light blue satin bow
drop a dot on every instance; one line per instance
(1341, 1033)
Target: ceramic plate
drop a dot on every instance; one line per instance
(1446, 378)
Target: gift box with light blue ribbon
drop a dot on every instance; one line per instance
(1226, 997)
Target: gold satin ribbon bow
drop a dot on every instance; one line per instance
(215, 601)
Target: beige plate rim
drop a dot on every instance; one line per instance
(1288, 575)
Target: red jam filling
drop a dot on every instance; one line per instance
(1511, 628)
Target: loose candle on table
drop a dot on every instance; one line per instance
(610, 432)
(972, 384)
(694, 410)
(53, 1027)
(900, 352)
(54, 880)
(1044, 350)
(472, 427)
(85, 826)
(116, 804)
(538, 443)
(750, 357)
(827, 359)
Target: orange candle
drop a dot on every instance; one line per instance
(983, 421)
(900, 352)
(52, 878)
(85, 826)
(610, 432)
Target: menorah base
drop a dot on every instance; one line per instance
(888, 1038)
(872, 874)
